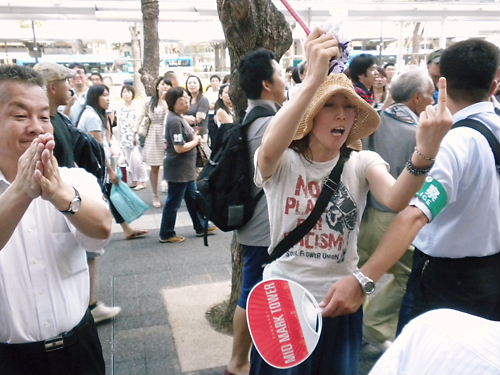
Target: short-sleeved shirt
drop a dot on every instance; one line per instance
(91, 122)
(202, 105)
(64, 141)
(329, 251)
(469, 220)
(364, 92)
(179, 167)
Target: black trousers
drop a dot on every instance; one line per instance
(81, 353)
(470, 285)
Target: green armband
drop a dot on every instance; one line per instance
(433, 195)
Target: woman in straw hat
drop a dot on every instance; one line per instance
(302, 144)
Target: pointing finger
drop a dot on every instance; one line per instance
(442, 97)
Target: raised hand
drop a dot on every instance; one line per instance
(434, 123)
(321, 47)
(27, 166)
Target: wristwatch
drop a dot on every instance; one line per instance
(367, 284)
(74, 205)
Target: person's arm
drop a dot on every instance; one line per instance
(279, 134)
(202, 112)
(16, 199)
(432, 127)
(93, 218)
(346, 295)
(223, 117)
(97, 135)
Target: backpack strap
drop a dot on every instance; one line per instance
(255, 113)
(330, 186)
(483, 129)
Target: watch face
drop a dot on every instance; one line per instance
(369, 287)
(75, 204)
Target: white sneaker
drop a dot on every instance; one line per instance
(102, 312)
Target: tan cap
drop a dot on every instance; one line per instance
(53, 72)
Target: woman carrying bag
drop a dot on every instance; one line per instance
(180, 171)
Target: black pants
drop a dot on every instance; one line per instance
(116, 215)
(82, 355)
(471, 285)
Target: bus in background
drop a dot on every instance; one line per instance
(115, 70)
(182, 65)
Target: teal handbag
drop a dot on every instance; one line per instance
(126, 202)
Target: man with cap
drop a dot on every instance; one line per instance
(433, 69)
(48, 216)
(58, 91)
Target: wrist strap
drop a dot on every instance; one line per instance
(329, 187)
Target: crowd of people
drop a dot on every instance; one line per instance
(414, 199)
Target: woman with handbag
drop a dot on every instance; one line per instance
(152, 127)
(126, 132)
(302, 144)
(180, 169)
(93, 121)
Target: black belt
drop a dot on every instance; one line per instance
(458, 262)
(60, 341)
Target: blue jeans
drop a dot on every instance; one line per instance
(337, 352)
(254, 259)
(176, 192)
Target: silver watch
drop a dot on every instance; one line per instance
(74, 205)
(367, 284)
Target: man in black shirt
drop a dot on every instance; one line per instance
(58, 91)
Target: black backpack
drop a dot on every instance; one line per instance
(225, 183)
(88, 152)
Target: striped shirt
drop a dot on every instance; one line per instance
(365, 93)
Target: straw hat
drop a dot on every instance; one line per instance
(366, 122)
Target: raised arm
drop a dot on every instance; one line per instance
(16, 199)
(93, 219)
(320, 48)
(432, 127)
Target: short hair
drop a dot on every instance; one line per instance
(407, 84)
(214, 76)
(128, 88)
(226, 78)
(470, 66)
(255, 67)
(295, 75)
(79, 66)
(386, 65)
(96, 74)
(172, 95)
(381, 71)
(20, 74)
(359, 65)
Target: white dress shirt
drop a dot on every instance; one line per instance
(44, 281)
(468, 225)
(443, 342)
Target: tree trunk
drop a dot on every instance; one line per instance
(136, 60)
(416, 39)
(151, 61)
(248, 25)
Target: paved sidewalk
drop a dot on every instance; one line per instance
(154, 283)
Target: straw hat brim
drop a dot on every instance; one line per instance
(366, 122)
